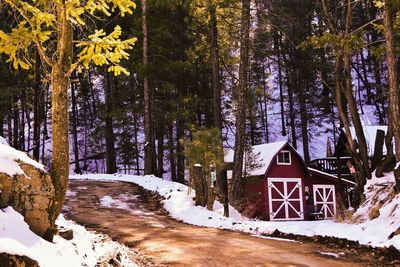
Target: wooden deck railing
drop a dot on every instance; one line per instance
(334, 166)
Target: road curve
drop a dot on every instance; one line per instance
(137, 220)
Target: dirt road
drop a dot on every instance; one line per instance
(135, 218)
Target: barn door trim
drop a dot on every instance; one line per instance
(286, 198)
(325, 196)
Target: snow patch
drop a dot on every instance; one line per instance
(331, 254)
(277, 238)
(3, 141)
(109, 202)
(70, 193)
(9, 158)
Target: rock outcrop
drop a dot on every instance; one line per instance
(28, 188)
(7, 260)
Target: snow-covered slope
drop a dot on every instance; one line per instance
(381, 209)
(85, 249)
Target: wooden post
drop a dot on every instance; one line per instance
(210, 188)
(378, 149)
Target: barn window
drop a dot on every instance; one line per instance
(284, 158)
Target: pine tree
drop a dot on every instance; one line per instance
(241, 105)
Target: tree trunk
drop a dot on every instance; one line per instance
(43, 115)
(111, 161)
(28, 121)
(149, 149)
(280, 83)
(180, 163)
(9, 128)
(378, 149)
(343, 114)
(60, 135)
(172, 152)
(160, 150)
(240, 137)
(216, 85)
(387, 162)
(394, 103)
(74, 129)
(1, 124)
(363, 152)
(135, 133)
(15, 143)
(22, 124)
(216, 80)
(265, 100)
(304, 120)
(200, 186)
(291, 112)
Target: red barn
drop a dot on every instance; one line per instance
(282, 188)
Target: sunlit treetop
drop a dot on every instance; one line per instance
(39, 23)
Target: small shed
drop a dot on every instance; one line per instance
(280, 184)
(321, 190)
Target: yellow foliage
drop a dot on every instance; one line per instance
(102, 49)
(15, 45)
(40, 20)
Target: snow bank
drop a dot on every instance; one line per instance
(3, 141)
(85, 249)
(179, 203)
(9, 158)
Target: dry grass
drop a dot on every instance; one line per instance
(374, 212)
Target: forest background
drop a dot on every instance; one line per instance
(258, 71)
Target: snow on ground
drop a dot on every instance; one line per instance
(179, 203)
(9, 158)
(70, 193)
(330, 254)
(277, 238)
(109, 202)
(85, 249)
(3, 141)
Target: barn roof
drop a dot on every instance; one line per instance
(265, 153)
(330, 177)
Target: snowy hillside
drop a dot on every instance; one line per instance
(381, 210)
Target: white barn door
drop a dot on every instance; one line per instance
(285, 197)
(325, 200)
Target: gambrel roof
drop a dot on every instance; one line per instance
(265, 153)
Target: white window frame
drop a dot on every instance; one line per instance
(284, 163)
